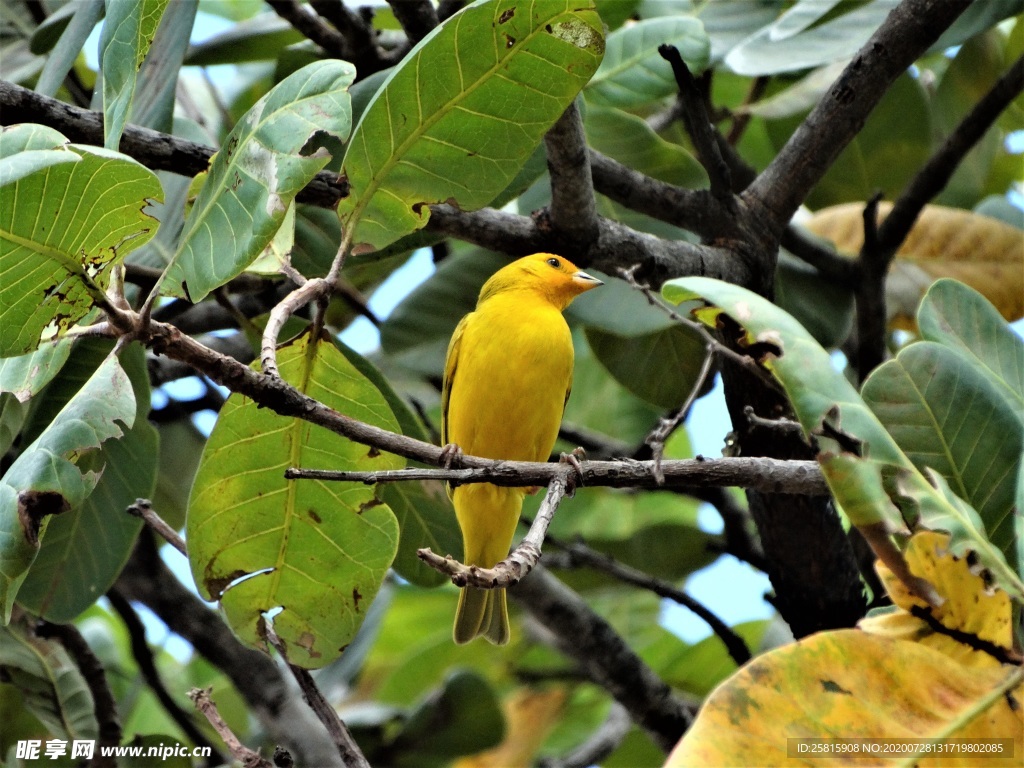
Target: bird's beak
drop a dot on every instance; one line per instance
(585, 282)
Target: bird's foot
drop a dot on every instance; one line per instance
(573, 460)
(450, 453)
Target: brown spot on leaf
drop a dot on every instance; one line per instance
(356, 597)
(216, 585)
(831, 686)
(34, 506)
(308, 641)
(509, 41)
(314, 517)
(506, 15)
(368, 505)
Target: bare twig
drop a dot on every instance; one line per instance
(764, 474)
(348, 749)
(581, 554)
(573, 209)
(144, 508)
(143, 656)
(780, 425)
(521, 560)
(248, 758)
(104, 704)
(699, 127)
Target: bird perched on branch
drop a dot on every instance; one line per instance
(506, 381)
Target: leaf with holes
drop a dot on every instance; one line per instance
(307, 555)
(263, 164)
(464, 111)
(68, 214)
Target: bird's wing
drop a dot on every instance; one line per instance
(451, 365)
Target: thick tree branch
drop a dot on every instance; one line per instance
(602, 654)
(417, 17)
(838, 117)
(157, 151)
(313, 27)
(764, 474)
(573, 210)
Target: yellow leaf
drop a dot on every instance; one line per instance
(851, 684)
(985, 253)
(529, 717)
(970, 607)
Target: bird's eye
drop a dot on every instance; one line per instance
(554, 263)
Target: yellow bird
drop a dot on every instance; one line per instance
(506, 380)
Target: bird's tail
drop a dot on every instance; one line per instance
(488, 516)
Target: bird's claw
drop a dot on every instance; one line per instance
(450, 453)
(573, 460)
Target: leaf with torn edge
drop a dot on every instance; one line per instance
(68, 214)
(263, 164)
(306, 555)
(463, 112)
(46, 479)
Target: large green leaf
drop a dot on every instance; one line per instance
(859, 473)
(12, 416)
(821, 306)
(959, 317)
(127, 34)
(947, 416)
(25, 375)
(85, 548)
(257, 174)
(633, 74)
(51, 685)
(46, 478)
(317, 551)
(462, 113)
(68, 213)
(73, 36)
(726, 24)
(259, 38)
(618, 308)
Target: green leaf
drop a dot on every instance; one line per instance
(618, 308)
(181, 446)
(318, 551)
(51, 685)
(127, 34)
(46, 478)
(699, 668)
(630, 140)
(25, 375)
(259, 38)
(962, 319)
(257, 174)
(659, 367)
(12, 416)
(726, 24)
(633, 74)
(85, 548)
(68, 48)
(510, 72)
(62, 228)
(859, 472)
(821, 306)
(948, 417)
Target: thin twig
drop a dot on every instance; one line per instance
(144, 508)
(249, 759)
(760, 473)
(521, 560)
(666, 427)
(104, 704)
(350, 753)
(699, 127)
(582, 554)
(780, 425)
(143, 656)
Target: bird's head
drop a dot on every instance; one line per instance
(554, 277)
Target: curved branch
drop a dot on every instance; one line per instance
(312, 26)
(906, 33)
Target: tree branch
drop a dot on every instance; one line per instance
(247, 757)
(417, 17)
(603, 655)
(143, 508)
(313, 27)
(573, 210)
(838, 117)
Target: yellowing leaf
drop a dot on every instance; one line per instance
(970, 607)
(983, 252)
(850, 684)
(529, 717)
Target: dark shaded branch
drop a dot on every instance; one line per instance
(236, 346)
(146, 579)
(765, 474)
(573, 210)
(936, 173)
(313, 27)
(698, 126)
(143, 656)
(581, 554)
(905, 34)
(417, 17)
(104, 704)
(349, 751)
(870, 295)
(155, 150)
(603, 655)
